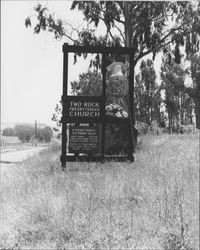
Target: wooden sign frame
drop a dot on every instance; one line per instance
(101, 118)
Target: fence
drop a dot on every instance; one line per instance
(4, 144)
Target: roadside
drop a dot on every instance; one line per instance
(19, 154)
(13, 157)
(21, 147)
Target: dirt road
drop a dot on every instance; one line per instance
(11, 158)
(19, 155)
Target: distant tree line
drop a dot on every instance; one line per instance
(171, 104)
(26, 133)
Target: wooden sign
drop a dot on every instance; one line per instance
(84, 139)
(83, 109)
(90, 143)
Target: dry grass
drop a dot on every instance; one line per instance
(10, 139)
(152, 203)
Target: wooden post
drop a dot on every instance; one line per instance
(64, 124)
(131, 110)
(103, 125)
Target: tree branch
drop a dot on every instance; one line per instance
(111, 35)
(123, 38)
(117, 20)
(152, 50)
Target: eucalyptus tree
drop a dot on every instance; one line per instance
(148, 75)
(178, 97)
(194, 91)
(147, 94)
(146, 26)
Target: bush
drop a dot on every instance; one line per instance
(24, 132)
(187, 129)
(142, 127)
(44, 134)
(155, 129)
(8, 132)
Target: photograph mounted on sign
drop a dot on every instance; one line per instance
(117, 138)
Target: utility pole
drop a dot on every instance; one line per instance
(36, 133)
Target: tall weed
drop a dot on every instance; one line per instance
(114, 205)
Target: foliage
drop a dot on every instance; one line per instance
(179, 103)
(140, 24)
(146, 26)
(89, 84)
(44, 134)
(8, 132)
(147, 94)
(194, 91)
(56, 117)
(24, 132)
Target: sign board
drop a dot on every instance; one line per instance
(84, 139)
(82, 108)
(90, 143)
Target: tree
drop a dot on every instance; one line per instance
(44, 134)
(148, 76)
(179, 103)
(147, 94)
(141, 25)
(47, 134)
(137, 24)
(56, 117)
(89, 84)
(24, 132)
(8, 132)
(195, 89)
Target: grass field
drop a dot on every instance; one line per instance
(10, 139)
(152, 203)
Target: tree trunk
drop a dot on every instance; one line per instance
(197, 111)
(197, 100)
(170, 122)
(196, 80)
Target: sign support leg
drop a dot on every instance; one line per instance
(64, 124)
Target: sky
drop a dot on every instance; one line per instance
(32, 65)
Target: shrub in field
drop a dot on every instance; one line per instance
(155, 129)
(187, 129)
(24, 132)
(174, 242)
(142, 127)
(44, 134)
(8, 132)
